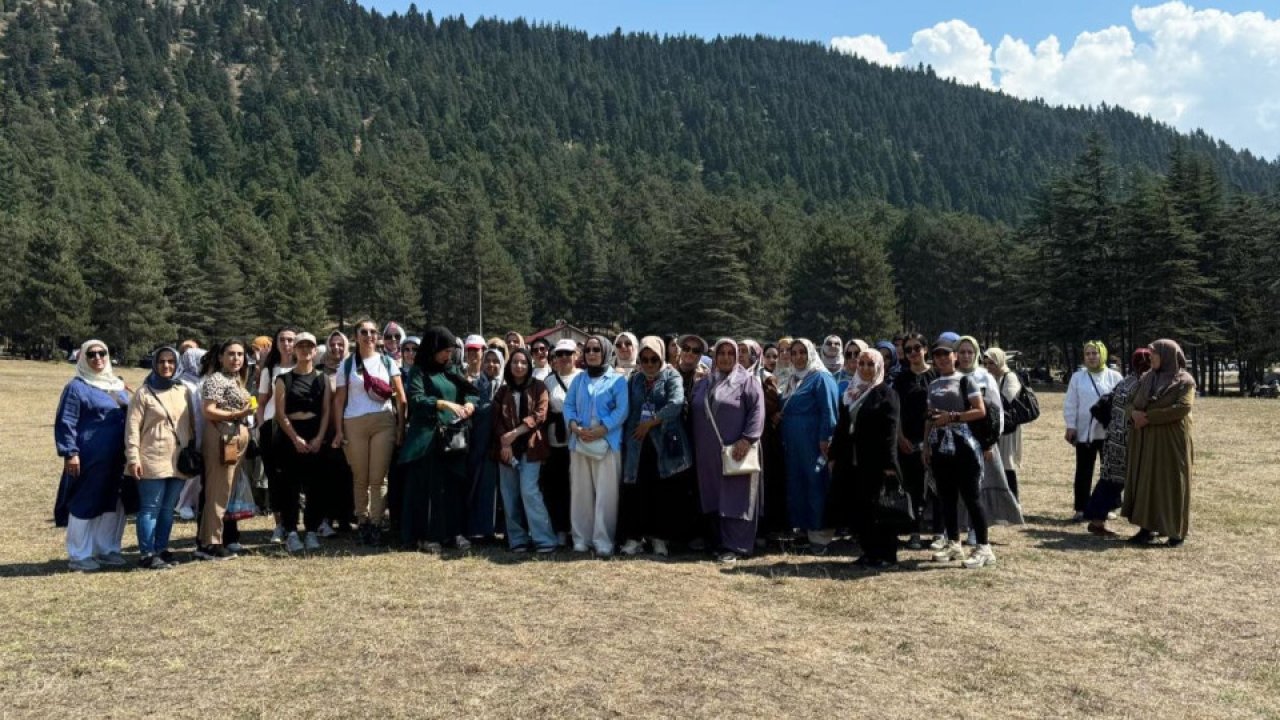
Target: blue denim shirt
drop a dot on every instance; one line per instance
(666, 401)
(608, 395)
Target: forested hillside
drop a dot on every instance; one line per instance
(224, 166)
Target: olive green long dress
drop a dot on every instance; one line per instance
(1157, 488)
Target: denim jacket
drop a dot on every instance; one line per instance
(666, 400)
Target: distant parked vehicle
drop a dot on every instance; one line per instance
(1268, 388)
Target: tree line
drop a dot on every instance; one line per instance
(224, 167)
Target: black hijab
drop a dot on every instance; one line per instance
(606, 357)
(433, 341)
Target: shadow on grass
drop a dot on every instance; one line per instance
(1053, 520)
(1077, 541)
(833, 569)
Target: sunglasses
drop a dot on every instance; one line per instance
(409, 349)
(366, 332)
(849, 355)
(391, 336)
(650, 361)
(539, 348)
(564, 354)
(690, 350)
(92, 354)
(592, 351)
(623, 344)
(914, 348)
(866, 364)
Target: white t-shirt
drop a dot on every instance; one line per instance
(266, 385)
(360, 402)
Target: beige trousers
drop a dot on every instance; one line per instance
(370, 442)
(218, 481)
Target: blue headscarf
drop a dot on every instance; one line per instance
(154, 381)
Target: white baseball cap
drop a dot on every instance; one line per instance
(566, 345)
(474, 342)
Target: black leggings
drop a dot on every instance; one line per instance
(1086, 460)
(554, 483)
(958, 477)
(298, 473)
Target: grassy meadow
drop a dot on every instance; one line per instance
(1066, 625)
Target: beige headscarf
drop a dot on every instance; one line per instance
(105, 380)
(653, 343)
(1172, 374)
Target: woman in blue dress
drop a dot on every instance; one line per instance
(809, 403)
(88, 432)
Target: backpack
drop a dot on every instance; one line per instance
(986, 430)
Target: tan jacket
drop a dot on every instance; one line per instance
(149, 438)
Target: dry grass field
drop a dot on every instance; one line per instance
(1065, 626)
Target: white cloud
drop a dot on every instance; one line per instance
(1191, 68)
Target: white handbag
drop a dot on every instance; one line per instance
(749, 464)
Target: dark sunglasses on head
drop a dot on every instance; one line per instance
(95, 354)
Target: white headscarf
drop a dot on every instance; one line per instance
(488, 385)
(105, 380)
(833, 363)
(857, 390)
(626, 367)
(797, 377)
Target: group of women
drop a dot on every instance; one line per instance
(627, 445)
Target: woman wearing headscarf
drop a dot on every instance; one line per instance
(392, 337)
(692, 348)
(228, 412)
(849, 368)
(1161, 455)
(728, 411)
(783, 371)
(912, 387)
(953, 455)
(1106, 494)
(303, 405)
(889, 351)
(441, 400)
(809, 406)
(833, 353)
(189, 362)
(657, 450)
(519, 413)
(625, 347)
(594, 411)
(482, 469)
(555, 471)
(769, 358)
(370, 415)
(338, 495)
(774, 521)
(159, 425)
(997, 499)
(1009, 385)
(864, 457)
(88, 432)
(1084, 433)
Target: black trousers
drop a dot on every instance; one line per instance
(1086, 461)
(335, 496)
(298, 473)
(435, 494)
(958, 477)
(877, 540)
(554, 483)
(1011, 476)
(653, 506)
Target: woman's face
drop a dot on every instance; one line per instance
(915, 352)
(1155, 360)
(784, 354)
(540, 351)
(442, 356)
(564, 361)
(726, 357)
(1092, 358)
(886, 355)
(96, 356)
(625, 349)
(519, 366)
(337, 348)
(285, 341)
(492, 365)
(866, 368)
(851, 360)
(771, 359)
(391, 342)
(513, 341)
(690, 354)
(306, 352)
(966, 355)
(471, 356)
(990, 365)
(945, 362)
(831, 347)
(650, 363)
(166, 364)
(367, 337)
(744, 355)
(673, 352)
(408, 353)
(232, 358)
(799, 356)
(593, 353)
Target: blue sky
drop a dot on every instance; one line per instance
(1211, 65)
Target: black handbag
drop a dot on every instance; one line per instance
(1101, 410)
(893, 507)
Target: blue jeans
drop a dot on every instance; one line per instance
(155, 518)
(522, 502)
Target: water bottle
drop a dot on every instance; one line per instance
(820, 465)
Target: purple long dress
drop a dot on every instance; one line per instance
(735, 500)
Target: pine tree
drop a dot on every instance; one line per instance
(841, 284)
(52, 310)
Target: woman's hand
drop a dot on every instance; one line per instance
(315, 444)
(506, 454)
(1071, 436)
(337, 440)
(904, 445)
(643, 428)
(941, 419)
(71, 466)
(1140, 419)
(135, 471)
(740, 449)
(823, 447)
(300, 444)
(590, 434)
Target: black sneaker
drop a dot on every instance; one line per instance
(366, 534)
(152, 562)
(169, 558)
(214, 552)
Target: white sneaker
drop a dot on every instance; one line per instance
(313, 542)
(186, 514)
(292, 543)
(660, 548)
(980, 557)
(1112, 515)
(938, 543)
(632, 547)
(326, 530)
(85, 565)
(462, 543)
(277, 535)
(952, 551)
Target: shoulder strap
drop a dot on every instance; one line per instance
(706, 400)
(965, 385)
(559, 382)
(167, 416)
(1091, 382)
